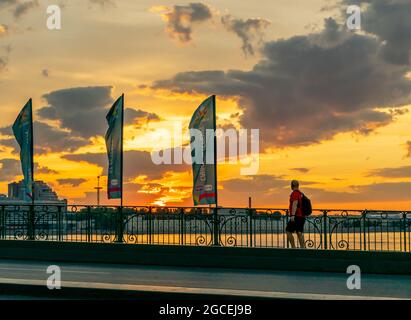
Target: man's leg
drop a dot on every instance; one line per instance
(300, 236)
(290, 239)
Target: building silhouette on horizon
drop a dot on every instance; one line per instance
(43, 193)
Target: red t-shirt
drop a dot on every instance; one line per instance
(296, 196)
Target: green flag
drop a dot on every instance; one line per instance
(204, 172)
(114, 143)
(23, 131)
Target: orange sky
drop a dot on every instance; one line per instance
(331, 105)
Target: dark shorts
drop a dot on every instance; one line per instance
(296, 226)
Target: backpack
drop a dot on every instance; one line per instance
(306, 207)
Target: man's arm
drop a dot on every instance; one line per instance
(294, 209)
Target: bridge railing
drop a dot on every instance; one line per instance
(243, 227)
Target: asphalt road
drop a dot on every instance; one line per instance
(250, 283)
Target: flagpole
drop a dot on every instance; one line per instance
(31, 232)
(216, 232)
(215, 150)
(122, 149)
(32, 153)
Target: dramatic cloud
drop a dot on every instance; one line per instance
(76, 108)
(307, 89)
(10, 168)
(47, 139)
(71, 182)
(248, 31)
(408, 146)
(300, 170)
(24, 7)
(181, 19)
(139, 117)
(400, 172)
(391, 22)
(43, 170)
(136, 163)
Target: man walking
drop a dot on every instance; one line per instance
(297, 220)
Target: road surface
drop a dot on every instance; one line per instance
(202, 281)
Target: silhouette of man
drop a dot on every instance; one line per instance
(297, 220)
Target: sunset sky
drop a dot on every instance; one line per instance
(332, 105)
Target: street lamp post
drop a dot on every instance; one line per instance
(98, 188)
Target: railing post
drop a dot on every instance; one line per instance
(31, 223)
(250, 217)
(287, 218)
(59, 224)
(119, 225)
(404, 217)
(149, 226)
(88, 226)
(3, 222)
(325, 218)
(364, 218)
(182, 227)
(216, 231)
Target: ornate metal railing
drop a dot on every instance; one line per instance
(241, 227)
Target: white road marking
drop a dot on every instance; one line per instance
(64, 270)
(202, 291)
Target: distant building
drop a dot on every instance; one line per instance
(43, 193)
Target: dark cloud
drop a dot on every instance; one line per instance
(408, 146)
(10, 168)
(300, 170)
(139, 117)
(43, 170)
(306, 89)
(23, 7)
(181, 19)
(77, 108)
(71, 182)
(46, 139)
(51, 139)
(135, 163)
(248, 31)
(400, 172)
(9, 142)
(391, 22)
